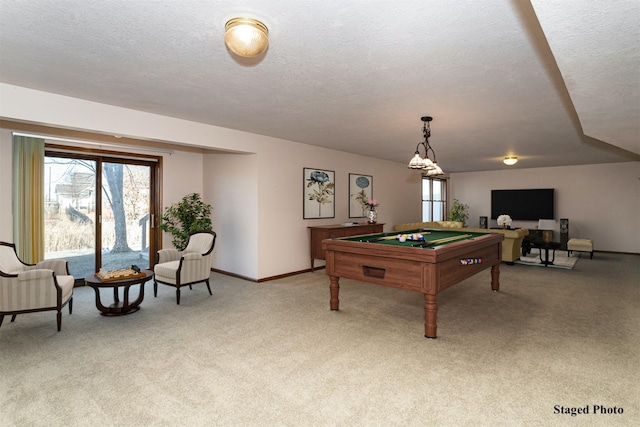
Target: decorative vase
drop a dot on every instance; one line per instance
(372, 216)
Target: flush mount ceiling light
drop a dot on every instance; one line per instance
(510, 161)
(246, 36)
(426, 164)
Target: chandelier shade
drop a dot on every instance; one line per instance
(246, 37)
(425, 163)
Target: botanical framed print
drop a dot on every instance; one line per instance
(360, 191)
(318, 193)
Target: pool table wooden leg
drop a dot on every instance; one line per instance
(334, 287)
(495, 277)
(430, 314)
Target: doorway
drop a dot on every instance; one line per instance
(100, 211)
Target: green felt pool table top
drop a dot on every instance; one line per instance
(432, 237)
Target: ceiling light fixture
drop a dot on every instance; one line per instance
(246, 36)
(510, 161)
(426, 164)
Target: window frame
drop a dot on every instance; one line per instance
(101, 156)
(427, 205)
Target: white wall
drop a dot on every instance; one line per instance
(182, 175)
(284, 236)
(602, 202)
(231, 187)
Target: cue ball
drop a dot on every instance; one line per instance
(402, 239)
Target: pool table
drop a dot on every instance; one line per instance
(443, 259)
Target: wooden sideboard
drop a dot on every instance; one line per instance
(321, 232)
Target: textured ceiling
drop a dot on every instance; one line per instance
(555, 83)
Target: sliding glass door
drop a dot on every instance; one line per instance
(125, 215)
(100, 211)
(70, 212)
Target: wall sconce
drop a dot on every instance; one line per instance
(246, 37)
(426, 164)
(510, 161)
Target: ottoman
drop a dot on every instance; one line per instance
(580, 245)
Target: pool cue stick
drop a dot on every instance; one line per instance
(380, 239)
(446, 240)
(388, 237)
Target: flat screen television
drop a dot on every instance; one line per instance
(531, 204)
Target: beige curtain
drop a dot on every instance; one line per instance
(28, 198)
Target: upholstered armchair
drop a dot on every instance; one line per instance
(187, 267)
(27, 288)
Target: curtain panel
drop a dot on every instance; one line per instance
(28, 198)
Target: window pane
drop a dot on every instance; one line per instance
(125, 215)
(426, 211)
(426, 189)
(437, 189)
(438, 211)
(70, 213)
(434, 199)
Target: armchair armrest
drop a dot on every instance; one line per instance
(59, 266)
(192, 256)
(35, 274)
(167, 255)
(35, 289)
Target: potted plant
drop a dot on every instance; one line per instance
(459, 212)
(181, 219)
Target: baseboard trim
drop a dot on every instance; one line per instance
(265, 279)
(617, 252)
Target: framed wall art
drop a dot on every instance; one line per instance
(360, 191)
(318, 193)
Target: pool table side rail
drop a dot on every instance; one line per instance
(432, 254)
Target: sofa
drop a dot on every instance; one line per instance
(511, 245)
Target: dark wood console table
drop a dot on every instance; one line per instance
(321, 232)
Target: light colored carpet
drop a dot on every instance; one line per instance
(561, 259)
(273, 354)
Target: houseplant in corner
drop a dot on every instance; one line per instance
(181, 219)
(459, 212)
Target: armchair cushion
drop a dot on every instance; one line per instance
(200, 243)
(167, 271)
(9, 261)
